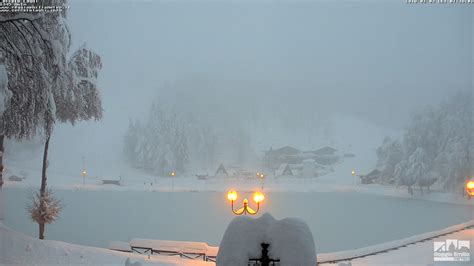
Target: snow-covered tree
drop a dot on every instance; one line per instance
(132, 142)
(5, 95)
(416, 167)
(33, 50)
(437, 145)
(160, 145)
(78, 101)
(389, 155)
(44, 86)
(203, 145)
(179, 148)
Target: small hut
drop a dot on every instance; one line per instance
(370, 177)
(221, 171)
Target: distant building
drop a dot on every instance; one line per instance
(274, 158)
(221, 171)
(325, 151)
(287, 150)
(370, 177)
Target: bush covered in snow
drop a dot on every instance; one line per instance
(44, 208)
(290, 239)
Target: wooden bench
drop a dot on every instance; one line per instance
(190, 250)
(111, 182)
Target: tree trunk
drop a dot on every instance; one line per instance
(41, 231)
(43, 182)
(45, 166)
(2, 149)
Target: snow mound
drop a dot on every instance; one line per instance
(290, 239)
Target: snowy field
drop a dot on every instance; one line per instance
(362, 219)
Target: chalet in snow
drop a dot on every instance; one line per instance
(289, 161)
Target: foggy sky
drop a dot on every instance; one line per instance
(374, 61)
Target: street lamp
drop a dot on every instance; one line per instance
(84, 172)
(172, 174)
(353, 175)
(257, 198)
(470, 188)
(261, 176)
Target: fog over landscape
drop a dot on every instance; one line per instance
(334, 131)
(274, 70)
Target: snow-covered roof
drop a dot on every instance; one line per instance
(221, 170)
(324, 151)
(287, 150)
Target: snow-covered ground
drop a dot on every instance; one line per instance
(19, 249)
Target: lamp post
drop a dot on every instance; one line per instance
(261, 176)
(469, 188)
(353, 176)
(257, 198)
(172, 174)
(84, 172)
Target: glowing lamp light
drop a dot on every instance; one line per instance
(353, 173)
(258, 197)
(470, 187)
(173, 173)
(84, 173)
(232, 195)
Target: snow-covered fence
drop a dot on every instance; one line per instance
(190, 250)
(388, 246)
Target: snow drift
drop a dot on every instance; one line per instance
(290, 239)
